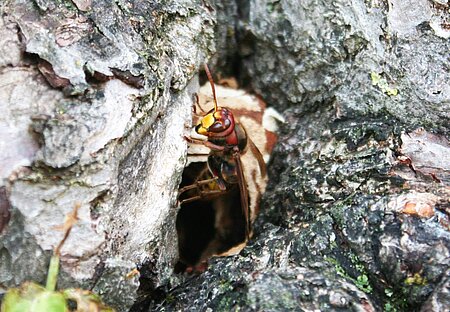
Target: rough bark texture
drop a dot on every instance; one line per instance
(95, 97)
(356, 216)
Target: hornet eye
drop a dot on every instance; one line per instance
(219, 126)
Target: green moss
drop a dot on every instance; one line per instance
(388, 292)
(230, 298)
(361, 281)
(337, 267)
(388, 307)
(416, 279)
(382, 83)
(355, 261)
(225, 286)
(395, 301)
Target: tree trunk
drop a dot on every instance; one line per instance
(356, 214)
(95, 98)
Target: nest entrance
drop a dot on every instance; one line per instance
(208, 226)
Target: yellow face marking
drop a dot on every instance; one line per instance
(206, 122)
(202, 131)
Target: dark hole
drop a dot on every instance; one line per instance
(210, 225)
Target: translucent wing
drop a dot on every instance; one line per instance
(243, 192)
(259, 157)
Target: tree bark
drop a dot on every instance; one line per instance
(356, 214)
(95, 98)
